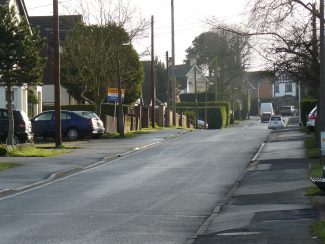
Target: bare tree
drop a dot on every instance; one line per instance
(293, 43)
(106, 12)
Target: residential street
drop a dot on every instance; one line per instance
(159, 195)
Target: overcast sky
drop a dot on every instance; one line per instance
(190, 20)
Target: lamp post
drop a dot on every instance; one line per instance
(206, 104)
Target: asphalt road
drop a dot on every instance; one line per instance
(160, 195)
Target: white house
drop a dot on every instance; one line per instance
(284, 86)
(200, 80)
(20, 94)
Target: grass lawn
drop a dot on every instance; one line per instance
(313, 154)
(4, 166)
(319, 230)
(32, 151)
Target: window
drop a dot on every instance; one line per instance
(65, 116)
(3, 114)
(276, 88)
(288, 87)
(45, 116)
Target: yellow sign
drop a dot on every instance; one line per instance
(114, 91)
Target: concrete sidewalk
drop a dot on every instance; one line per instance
(39, 170)
(267, 204)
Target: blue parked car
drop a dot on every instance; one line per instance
(73, 125)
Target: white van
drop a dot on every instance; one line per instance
(266, 111)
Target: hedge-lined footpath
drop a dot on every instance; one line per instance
(218, 113)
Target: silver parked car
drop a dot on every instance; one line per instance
(276, 122)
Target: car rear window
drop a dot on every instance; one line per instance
(276, 118)
(3, 114)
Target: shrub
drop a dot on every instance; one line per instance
(307, 104)
(3, 150)
(216, 116)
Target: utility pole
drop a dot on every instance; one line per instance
(322, 86)
(57, 102)
(153, 103)
(173, 66)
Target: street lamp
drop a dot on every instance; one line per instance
(206, 104)
(120, 101)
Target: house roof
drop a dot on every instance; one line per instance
(199, 71)
(45, 25)
(181, 71)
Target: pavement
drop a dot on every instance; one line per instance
(267, 204)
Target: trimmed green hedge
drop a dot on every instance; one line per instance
(216, 116)
(107, 108)
(307, 105)
(226, 105)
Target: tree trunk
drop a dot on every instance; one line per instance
(98, 108)
(11, 132)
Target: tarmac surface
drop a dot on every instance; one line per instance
(38, 170)
(268, 204)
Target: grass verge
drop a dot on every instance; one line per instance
(313, 154)
(5, 166)
(32, 151)
(319, 230)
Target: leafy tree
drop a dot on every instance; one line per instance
(223, 54)
(20, 62)
(90, 60)
(161, 81)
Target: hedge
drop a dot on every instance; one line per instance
(307, 105)
(107, 108)
(216, 116)
(226, 105)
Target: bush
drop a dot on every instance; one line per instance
(216, 116)
(201, 105)
(3, 150)
(307, 104)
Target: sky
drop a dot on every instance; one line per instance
(190, 20)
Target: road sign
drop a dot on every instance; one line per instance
(112, 94)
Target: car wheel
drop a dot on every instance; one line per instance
(39, 138)
(72, 134)
(15, 140)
